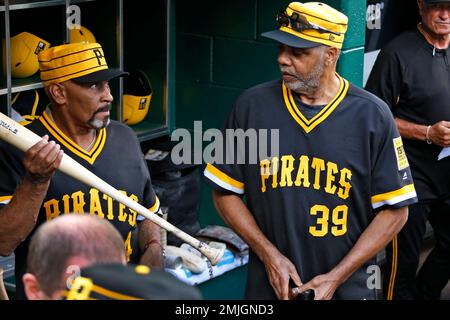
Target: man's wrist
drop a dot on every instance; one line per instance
(155, 242)
(36, 180)
(338, 275)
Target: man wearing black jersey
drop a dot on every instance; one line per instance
(75, 77)
(412, 75)
(317, 213)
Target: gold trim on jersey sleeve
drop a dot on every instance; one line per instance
(5, 199)
(309, 125)
(393, 197)
(155, 206)
(223, 180)
(89, 156)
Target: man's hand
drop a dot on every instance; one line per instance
(18, 218)
(42, 160)
(439, 133)
(279, 270)
(323, 285)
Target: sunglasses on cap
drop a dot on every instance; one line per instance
(299, 23)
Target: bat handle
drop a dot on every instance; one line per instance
(307, 295)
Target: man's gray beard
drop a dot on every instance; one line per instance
(310, 82)
(99, 124)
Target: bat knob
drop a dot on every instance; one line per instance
(307, 295)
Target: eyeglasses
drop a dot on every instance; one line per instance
(299, 23)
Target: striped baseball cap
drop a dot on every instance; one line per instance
(129, 282)
(310, 24)
(81, 62)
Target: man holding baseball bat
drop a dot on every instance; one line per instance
(77, 123)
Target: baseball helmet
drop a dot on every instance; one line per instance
(137, 96)
(82, 34)
(28, 104)
(24, 50)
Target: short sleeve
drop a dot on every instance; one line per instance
(392, 183)
(150, 200)
(226, 173)
(385, 80)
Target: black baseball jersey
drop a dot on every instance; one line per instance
(116, 157)
(415, 83)
(332, 175)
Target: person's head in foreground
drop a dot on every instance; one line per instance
(64, 245)
(310, 37)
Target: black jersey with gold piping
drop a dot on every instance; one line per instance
(89, 156)
(310, 124)
(332, 175)
(116, 157)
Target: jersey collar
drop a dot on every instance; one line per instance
(89, 156)
(309, 125)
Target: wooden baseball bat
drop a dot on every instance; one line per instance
(22, 138)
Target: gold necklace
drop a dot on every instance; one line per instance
(92, 142)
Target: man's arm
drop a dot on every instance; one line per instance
(149, 238)
(438, 134)
(279, 269)
(386, 224)
(18, 218)
(386, 82)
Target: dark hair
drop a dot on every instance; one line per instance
(84, 236)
